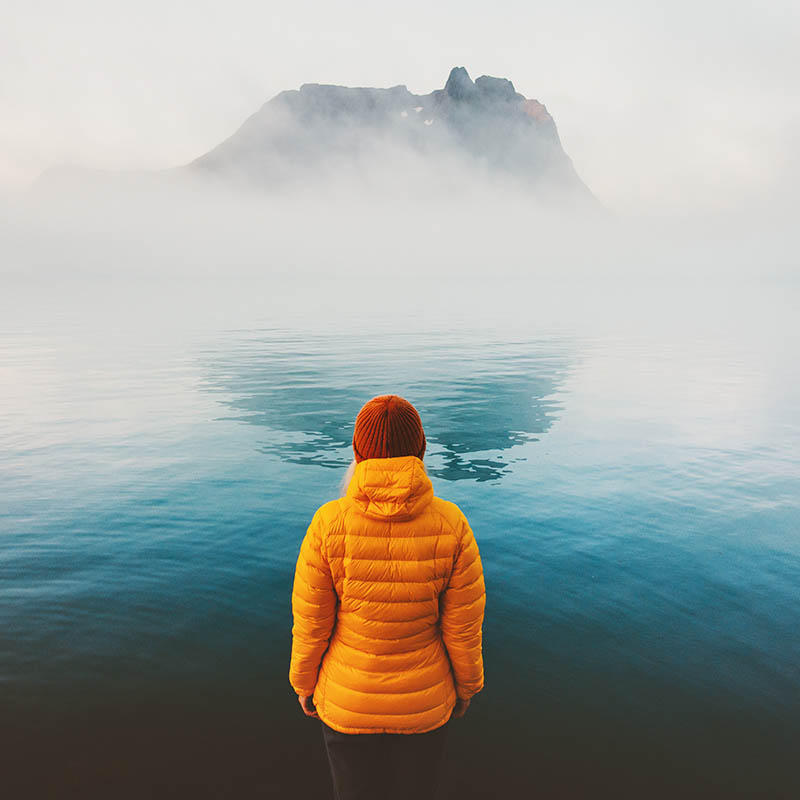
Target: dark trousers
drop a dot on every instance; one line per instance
(380, 766)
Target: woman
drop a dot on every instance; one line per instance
(388, 605)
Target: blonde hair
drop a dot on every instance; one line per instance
(347, 477)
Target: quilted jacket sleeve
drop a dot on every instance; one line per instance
(461, 614)
(314, 605)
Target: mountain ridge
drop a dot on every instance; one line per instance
(486, 123)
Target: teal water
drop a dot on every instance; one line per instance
(630, 466)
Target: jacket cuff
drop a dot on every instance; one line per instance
(466, 694)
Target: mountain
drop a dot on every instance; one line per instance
(318, 130)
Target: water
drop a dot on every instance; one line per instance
(630, 466)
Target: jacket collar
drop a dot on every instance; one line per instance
(391, 488)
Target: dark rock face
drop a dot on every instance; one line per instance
(459, 85)
(319, 128)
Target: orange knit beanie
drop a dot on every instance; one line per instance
(387, 427)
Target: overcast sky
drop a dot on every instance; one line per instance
(667, 106)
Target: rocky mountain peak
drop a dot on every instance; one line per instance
(459, 85)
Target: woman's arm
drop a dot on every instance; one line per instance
(461, 613)
(314, 608)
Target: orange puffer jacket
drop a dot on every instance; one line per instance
(388, 604)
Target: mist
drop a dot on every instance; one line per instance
(397, 219)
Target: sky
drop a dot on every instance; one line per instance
(680, 107)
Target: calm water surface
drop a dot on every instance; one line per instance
(631, 469)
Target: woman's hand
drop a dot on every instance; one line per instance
(460, 708)
(307, 704)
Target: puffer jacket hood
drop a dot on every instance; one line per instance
(388, 604)
(391, 488)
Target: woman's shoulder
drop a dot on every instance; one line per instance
(328, 513)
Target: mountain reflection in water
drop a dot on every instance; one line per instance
(476, 402)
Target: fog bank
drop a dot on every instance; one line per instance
(396, 220)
